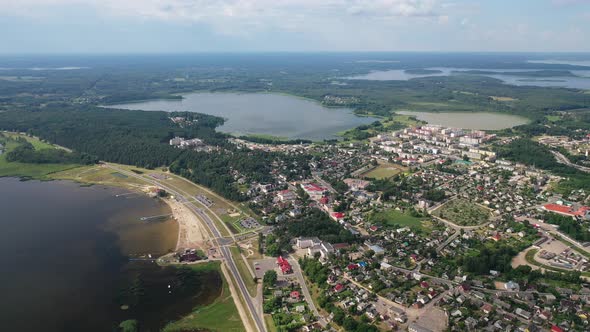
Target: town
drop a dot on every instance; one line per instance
(425, 228)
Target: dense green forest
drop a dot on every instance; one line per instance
(574, 228)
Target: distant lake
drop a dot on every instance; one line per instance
(468, 120)
(64, 259)
(582, 82)
(262, 113)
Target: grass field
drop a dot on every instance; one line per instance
(393, 217)
(221, 315)
(244, 271)
(384, 171)
(36, 171)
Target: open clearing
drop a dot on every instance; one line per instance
(16, 169)
(393, 217)
(384, 171)
(463, 213)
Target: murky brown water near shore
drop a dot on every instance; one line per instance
(65, 268)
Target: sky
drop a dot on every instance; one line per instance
(190, 26)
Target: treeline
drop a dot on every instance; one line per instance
(26, 153)
(317, 223)
(495, 256)
(569, 226)
(217, 170)
(128, 137)
(274, 141)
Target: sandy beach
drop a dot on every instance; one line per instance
(191, 231)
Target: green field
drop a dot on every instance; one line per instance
(384, 171)
(463, 213)
(397, 218)
(244, 271)
(221, 315)
(36, 171)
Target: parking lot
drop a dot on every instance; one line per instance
(263, 265)
(249, 223)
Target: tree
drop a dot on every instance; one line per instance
(270, 278)
(129, 325)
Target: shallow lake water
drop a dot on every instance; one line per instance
(469, 120)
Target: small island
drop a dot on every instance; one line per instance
(422, 71)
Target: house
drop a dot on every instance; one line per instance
(338, 288)
(336, 216)
(295, 295)
(523, 313)
(512, 286)
(284, 265)
(307, 242)
(286, 195)
(556, 328)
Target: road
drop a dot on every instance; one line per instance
(306, 293)
(563, 160)
(228, 258)
(324, 184)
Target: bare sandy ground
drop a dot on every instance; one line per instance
(191, 231)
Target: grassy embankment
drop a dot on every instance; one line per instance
(221, 315)
(25, 170)
(244, 271)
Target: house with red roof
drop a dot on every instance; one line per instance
(556, 328)
(295, 295)
(313, 190)
(337, 216)
(284, 265)
(352, 267)
(339, 288)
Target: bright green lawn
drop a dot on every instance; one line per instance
(38, 171)
(220, 316)
(384, 171)
(393, 217)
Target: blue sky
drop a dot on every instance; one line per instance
(173, 26)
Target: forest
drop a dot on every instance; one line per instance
(26, 153)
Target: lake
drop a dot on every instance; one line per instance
(469, 120)
(581, 82)
(65, 268)
(262, 113)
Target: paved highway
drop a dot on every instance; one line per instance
(216, 234)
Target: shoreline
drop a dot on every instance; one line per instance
(191, 232)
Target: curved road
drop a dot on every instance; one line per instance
(260, 326)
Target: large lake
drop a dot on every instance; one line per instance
(65, 268)
(262, 113)
(470, 120)
(580, 82)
